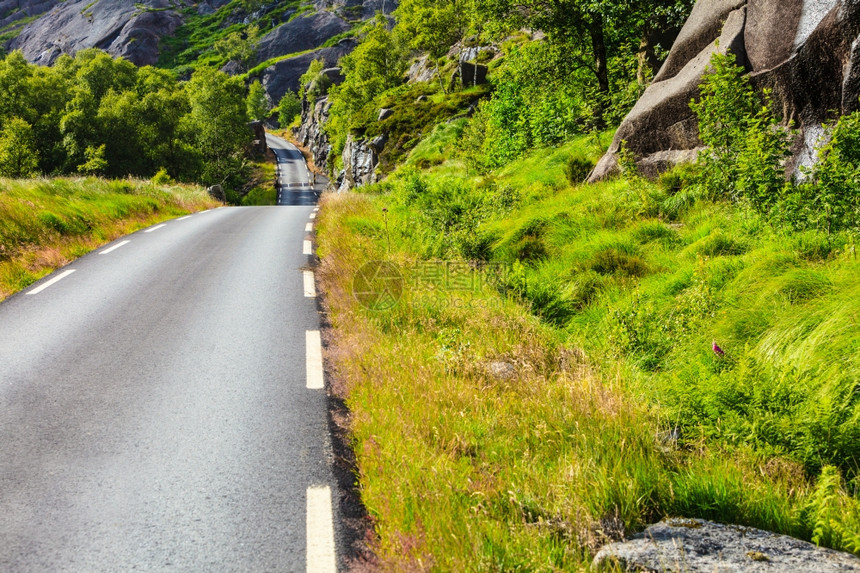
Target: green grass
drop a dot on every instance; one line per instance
(192, 45)
(45, 223)
(607, 311)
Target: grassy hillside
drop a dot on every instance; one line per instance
(46, 223)
(516, 416)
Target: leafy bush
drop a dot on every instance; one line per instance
(615, 261)
(746, 146)
(577, 169)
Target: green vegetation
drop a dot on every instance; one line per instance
(97, 115)
(257, 103)
(212, 40)
(45, 223)
(619, 411)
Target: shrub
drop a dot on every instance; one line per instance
(162, 178)
(746, 147)
(614, 261)
(577, 169)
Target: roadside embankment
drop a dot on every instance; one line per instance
(46, 223)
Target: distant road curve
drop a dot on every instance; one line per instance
(295, 185)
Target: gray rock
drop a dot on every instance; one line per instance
(806, 51)
(310, 132)
(127, 29)
(217, 193)
(12, 11)
(421, 70)
(661, 120)
(500, 370)
(384, 114)
(284, 75)
(378, 142)
(300, 34)
(698, 546)
(359, 164)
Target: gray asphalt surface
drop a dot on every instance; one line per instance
(294, 179)
(154, 414)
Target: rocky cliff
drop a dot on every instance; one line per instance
(12, 11)
(128, 29)
(806, 51)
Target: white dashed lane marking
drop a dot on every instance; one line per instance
(53, 281)
(113, 248)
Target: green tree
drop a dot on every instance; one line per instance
(288, 108)
(18, 155)
(217, 124)
(312, 79)
(239, 46)
(376, 65)
(257, 102)
(432, 27)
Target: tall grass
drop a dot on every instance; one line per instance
(46, 223)
(606, 345)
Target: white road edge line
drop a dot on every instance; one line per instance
(113, 248)
(185, 217)
(54, 280)
(320, 531)
(314, 215)
(310, 287)
(307, 248)
(309, 228)
(313, 353)
(157, 227)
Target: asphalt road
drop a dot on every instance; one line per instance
(156, 412)
(294, 180)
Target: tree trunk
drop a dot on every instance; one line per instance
(598, 47)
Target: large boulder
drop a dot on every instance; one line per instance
(699, 546)
(300, 34)
(310, 132)
(805, 51)
(127, 29)
(359, 164)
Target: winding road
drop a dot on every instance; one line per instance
(161, 404)
(295, 181)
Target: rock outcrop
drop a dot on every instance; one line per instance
(12, 11)
(360, 159)
(300, 34)
(698, 546)
(127, 29)
(806, 51)
(284, 75)
(310, 133)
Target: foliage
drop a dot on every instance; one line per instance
(99, 115)
(831, 198)
(288, 108)
(746, 144)
(747, 148)
(217, 122)
(239, 46)
(257, 103)
(607, 316)
(314, 79)
(375, 66)
(18, 154)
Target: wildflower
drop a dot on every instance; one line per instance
(717, 349)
